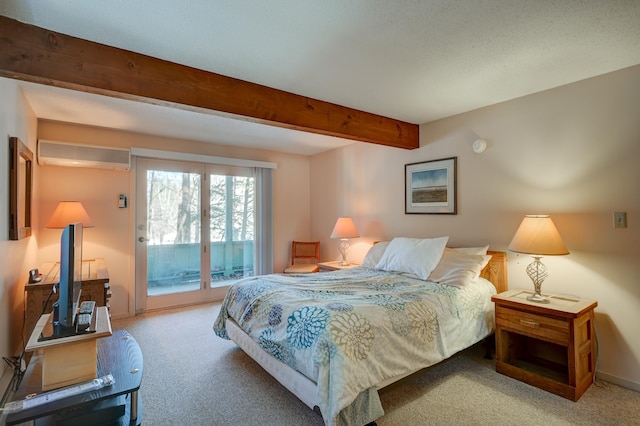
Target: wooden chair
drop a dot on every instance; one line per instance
(305, 256)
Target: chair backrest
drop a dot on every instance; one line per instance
(309, 250)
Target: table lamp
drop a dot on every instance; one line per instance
(344, 229)
(69, 212)
(538, 236)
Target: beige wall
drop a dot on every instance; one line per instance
(112, 237)
(572, 152)
(16, 257)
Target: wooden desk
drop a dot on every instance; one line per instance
(95, 286)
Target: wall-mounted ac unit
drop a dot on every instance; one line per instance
(65, 154)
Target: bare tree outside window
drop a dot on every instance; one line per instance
(174, 217)
(232, 200)
(173, 202)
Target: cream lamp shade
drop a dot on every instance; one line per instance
(538, 236)
(344, 229)
(69, 212)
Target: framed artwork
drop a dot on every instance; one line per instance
(430, 187)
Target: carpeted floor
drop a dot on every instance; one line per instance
(192, 377)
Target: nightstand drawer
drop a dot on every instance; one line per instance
(546, 328)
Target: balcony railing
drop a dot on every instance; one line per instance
(178, 265)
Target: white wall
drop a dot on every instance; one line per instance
(571, 152)
(16, 119)
(112, 237)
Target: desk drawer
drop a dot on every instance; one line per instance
(550, 329)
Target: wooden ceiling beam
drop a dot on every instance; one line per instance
(39, 55)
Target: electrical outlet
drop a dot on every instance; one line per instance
(619, 219)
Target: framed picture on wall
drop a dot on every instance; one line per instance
(430, 187)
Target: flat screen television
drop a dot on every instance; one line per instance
(70, 285)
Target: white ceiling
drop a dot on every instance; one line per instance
(412, 60)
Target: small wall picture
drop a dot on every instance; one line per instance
(430, 187)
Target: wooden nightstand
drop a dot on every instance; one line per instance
(550, 346)
(334, 266)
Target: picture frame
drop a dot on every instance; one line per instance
(431, 187)
(20, 189)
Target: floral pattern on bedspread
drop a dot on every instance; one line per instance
(352, 329)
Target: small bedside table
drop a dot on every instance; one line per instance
(334, 266)
(550, 346)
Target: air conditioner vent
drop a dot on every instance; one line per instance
(53, 153)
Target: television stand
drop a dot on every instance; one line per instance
(118, 355)
(72, 359)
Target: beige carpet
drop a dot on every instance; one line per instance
(192, 377)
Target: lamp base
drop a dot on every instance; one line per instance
(537, 272)
(344, 247)
(538, 298)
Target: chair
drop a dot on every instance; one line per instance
(305, 256)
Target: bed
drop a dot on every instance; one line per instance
(335, 338)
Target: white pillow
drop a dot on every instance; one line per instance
(413, 255)
(458, 268)
(374, 254)
(471, 250)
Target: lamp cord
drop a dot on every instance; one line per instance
(597, 382)
(15, 362)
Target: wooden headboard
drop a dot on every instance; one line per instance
(496, 270)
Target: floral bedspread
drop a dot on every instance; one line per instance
(350, 330)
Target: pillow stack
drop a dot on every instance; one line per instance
(460, 267)
(413, 255)
(429, 259)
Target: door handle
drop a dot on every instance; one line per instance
(142, 239)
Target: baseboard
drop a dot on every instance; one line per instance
(121, 315)
(618, 381)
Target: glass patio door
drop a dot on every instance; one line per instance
(231, 225)
(194, 231)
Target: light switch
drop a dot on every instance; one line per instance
(619, 219)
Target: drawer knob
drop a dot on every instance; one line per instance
(529, 323)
